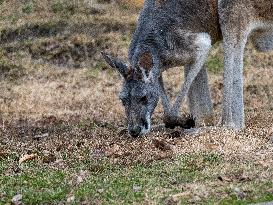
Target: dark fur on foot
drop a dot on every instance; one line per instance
(185, 122)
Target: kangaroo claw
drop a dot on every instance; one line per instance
(186, 122)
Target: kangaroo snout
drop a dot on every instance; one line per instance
(139, 129)
(135, 131)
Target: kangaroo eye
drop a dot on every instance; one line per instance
(144, 100)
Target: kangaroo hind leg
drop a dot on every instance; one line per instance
(233, 104)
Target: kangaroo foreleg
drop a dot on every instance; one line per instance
(170, 121)
(202, 45)
(164, 97)
(200, 103)
(172, 118)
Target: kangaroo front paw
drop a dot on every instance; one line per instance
(171, 121)
(185, 122)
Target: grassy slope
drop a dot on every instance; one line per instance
(54, 84)
(158, 182)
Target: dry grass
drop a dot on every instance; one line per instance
(133, 3)
(71, 97)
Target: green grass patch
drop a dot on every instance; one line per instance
(9, 70)
(68, 7)
(28, 8)
(126, 185)
(215, 61)
(97, 69)
(37, 185)
(215, 65)
(108, 183)
(57, 7)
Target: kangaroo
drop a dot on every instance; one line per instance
(173, 33)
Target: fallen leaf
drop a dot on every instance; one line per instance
(16, 168)
(80, 143)
(114, 150)
(243, 178)
(224, 179)
(27, 157)
(2, 195)
(175, 134)
(211, 146)
(159, 144)
(271, 135)
(79, 179)
(49, 157)
(265, 164)
(271, 139)
(122, 131)
(59, 162)
(195, 199)
(70, 199)
(270, 191)
(37, 137)
(174, 199)
(17, 199)
(3, 154)
(164, 155)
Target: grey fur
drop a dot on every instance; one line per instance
(240, 20)
(181, 32)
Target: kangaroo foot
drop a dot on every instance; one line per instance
(185, 122)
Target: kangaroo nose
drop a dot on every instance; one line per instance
(135, 132)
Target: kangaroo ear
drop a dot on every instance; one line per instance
(146, 63)
(117, 64)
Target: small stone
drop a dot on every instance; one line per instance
(17, 199)
(162, 145)
(137, 188)
(37, 137)
(240, 194)
(271, 139)
(79, 179)
(100, 190)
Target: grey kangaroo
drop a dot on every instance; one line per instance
(181, 32)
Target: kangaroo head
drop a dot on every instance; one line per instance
(140, 91)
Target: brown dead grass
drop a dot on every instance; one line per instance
(133, 3)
